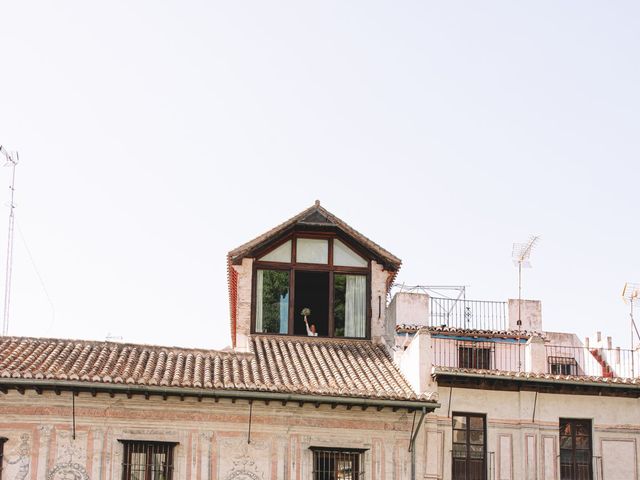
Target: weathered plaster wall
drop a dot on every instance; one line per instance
(524, 446)
(380, 329)
(243, 315)
(211, 436)
(530, 314)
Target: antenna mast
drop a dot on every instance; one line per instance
(521, 254)
(631, 293)
(11, 162)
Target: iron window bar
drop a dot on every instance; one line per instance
(338, 463)
(147, 460)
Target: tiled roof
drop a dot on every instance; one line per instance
(472, 332)
(344, 368)
(317, 215)
(578, 379)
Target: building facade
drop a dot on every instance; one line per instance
(326, 380)
(308, 389)
(518, 402)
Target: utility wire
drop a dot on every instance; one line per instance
(42, 284)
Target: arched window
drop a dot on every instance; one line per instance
(321, 275)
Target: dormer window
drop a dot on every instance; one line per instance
(322, 273)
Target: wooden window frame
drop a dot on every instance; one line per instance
(329, 267)
(468, 440)
(129, 447)
(574, 421)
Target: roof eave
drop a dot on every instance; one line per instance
(129, 389)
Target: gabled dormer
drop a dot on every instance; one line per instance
(313, 263)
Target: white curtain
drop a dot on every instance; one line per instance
(259, 282)
(355, 306)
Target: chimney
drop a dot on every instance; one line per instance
(530, 315)
(408, 309)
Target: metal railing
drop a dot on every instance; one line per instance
(471, 314)
(513, 355)
(591, 362)
(508, 356)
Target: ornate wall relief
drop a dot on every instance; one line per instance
(239, 461)
(19, 461)
(70, 453)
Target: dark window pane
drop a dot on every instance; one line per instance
(459, 422)
(476, 423)
(459, 436)
(476, 437)
(476, 451)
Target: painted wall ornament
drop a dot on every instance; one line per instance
(22, 459)
(68, 471)
(244, 468)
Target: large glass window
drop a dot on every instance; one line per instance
(349, 305)
(147, 460)
(316, 286)
(469, 447)
(312, 250)
(344, 256)
(272, 301)
(281, 254)
(575, 449)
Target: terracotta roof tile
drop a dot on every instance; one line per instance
(538, 376)
(301, 365)
(410, 328)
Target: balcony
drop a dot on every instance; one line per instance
(520, 355)
(468, 314)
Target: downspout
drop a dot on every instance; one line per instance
(412, 443)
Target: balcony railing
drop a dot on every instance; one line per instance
(595, 362)
(508, 356)
(470, 314)
(516, 355)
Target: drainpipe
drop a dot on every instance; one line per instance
(412, 443)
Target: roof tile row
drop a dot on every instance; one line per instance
(347, 368)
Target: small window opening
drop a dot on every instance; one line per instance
(563, 366)
(474, 356)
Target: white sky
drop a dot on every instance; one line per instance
(154, 137)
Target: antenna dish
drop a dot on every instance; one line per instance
(522, 251)
(631, 292)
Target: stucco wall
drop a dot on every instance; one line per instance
(211, 436)
(522, 446)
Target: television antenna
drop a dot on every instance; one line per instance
(630, 294)
(11, 161)
(520, 255)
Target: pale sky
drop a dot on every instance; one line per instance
(154, 137)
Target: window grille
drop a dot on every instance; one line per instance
(563, 365)
(475, 355)
(337, 464)
(147, 460)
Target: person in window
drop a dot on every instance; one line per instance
(311, 329)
